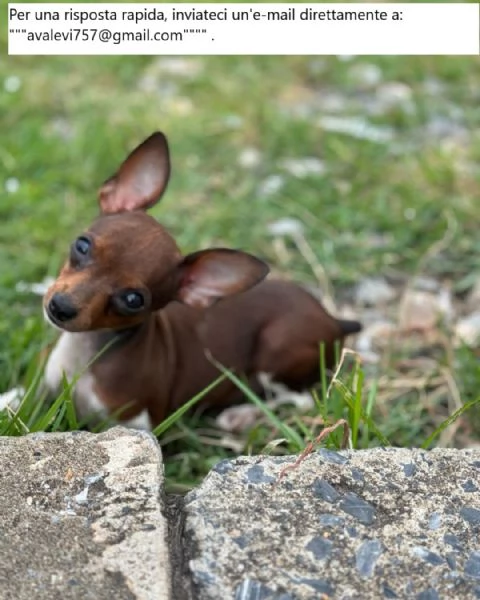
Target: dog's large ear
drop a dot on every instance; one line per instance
(141, 179)
(208, 275)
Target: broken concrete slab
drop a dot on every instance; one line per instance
(81, 516)
(380, 523)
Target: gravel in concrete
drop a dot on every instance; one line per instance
(381, 523)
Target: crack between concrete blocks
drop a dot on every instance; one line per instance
(182, 588)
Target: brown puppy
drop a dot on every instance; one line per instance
(126, 283)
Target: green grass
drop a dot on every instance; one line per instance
(72, 119)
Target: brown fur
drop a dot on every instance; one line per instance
(158, 358)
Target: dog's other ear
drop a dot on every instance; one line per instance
(208, 275)
(141, 179)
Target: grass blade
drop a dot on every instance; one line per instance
(173, 418)
(449, 420)
(290, 434)
(356, 412)
(70, 411)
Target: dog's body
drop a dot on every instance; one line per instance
(127, 286)
(163, 374)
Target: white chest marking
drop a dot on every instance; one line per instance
(71, 355)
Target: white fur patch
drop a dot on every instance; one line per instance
(238, 418)
(141, 421)
(279, 394)
(244, 416)
(71, 355)
(12, 398)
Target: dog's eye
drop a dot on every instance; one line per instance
(129, 301)
(82, 245)
(80, 252)
(132, 300)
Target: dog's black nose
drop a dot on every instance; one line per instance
(61, 308)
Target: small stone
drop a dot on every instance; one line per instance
(286, 226)
(358, 508)
(332, 457)
(223, 467)
(82, 497)
(467, 330)
(434, 521)
(452, 540)
(422, 310)
(425, 284)
(375, 336)
(271, 185)
(180, 66)
(469, 486)
(388, 592)
(91, 479)
(233, 121)
(409, 588)
(470, 514)
(352, 531)
(357, 127)
(63, 128)
(328, 520)
(241, 541)
(443, 127)
(238, 418)
(256, 475)
(374, 292)
(451, 560)
(325, 491)
(319, 585)
(394, 94)
(249, 158)
(12, 185)
(365, 74)
(304, 167)
(12, 84)
(409, 469)
(253, 590)
(332, 102)
(429, 594)
(427, 555)
(357, 475)
(366, 556)
(472, 566)
(319, 547)
(433, 86)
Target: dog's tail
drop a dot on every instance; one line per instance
(349, 327)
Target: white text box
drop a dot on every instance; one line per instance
(243, 29)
